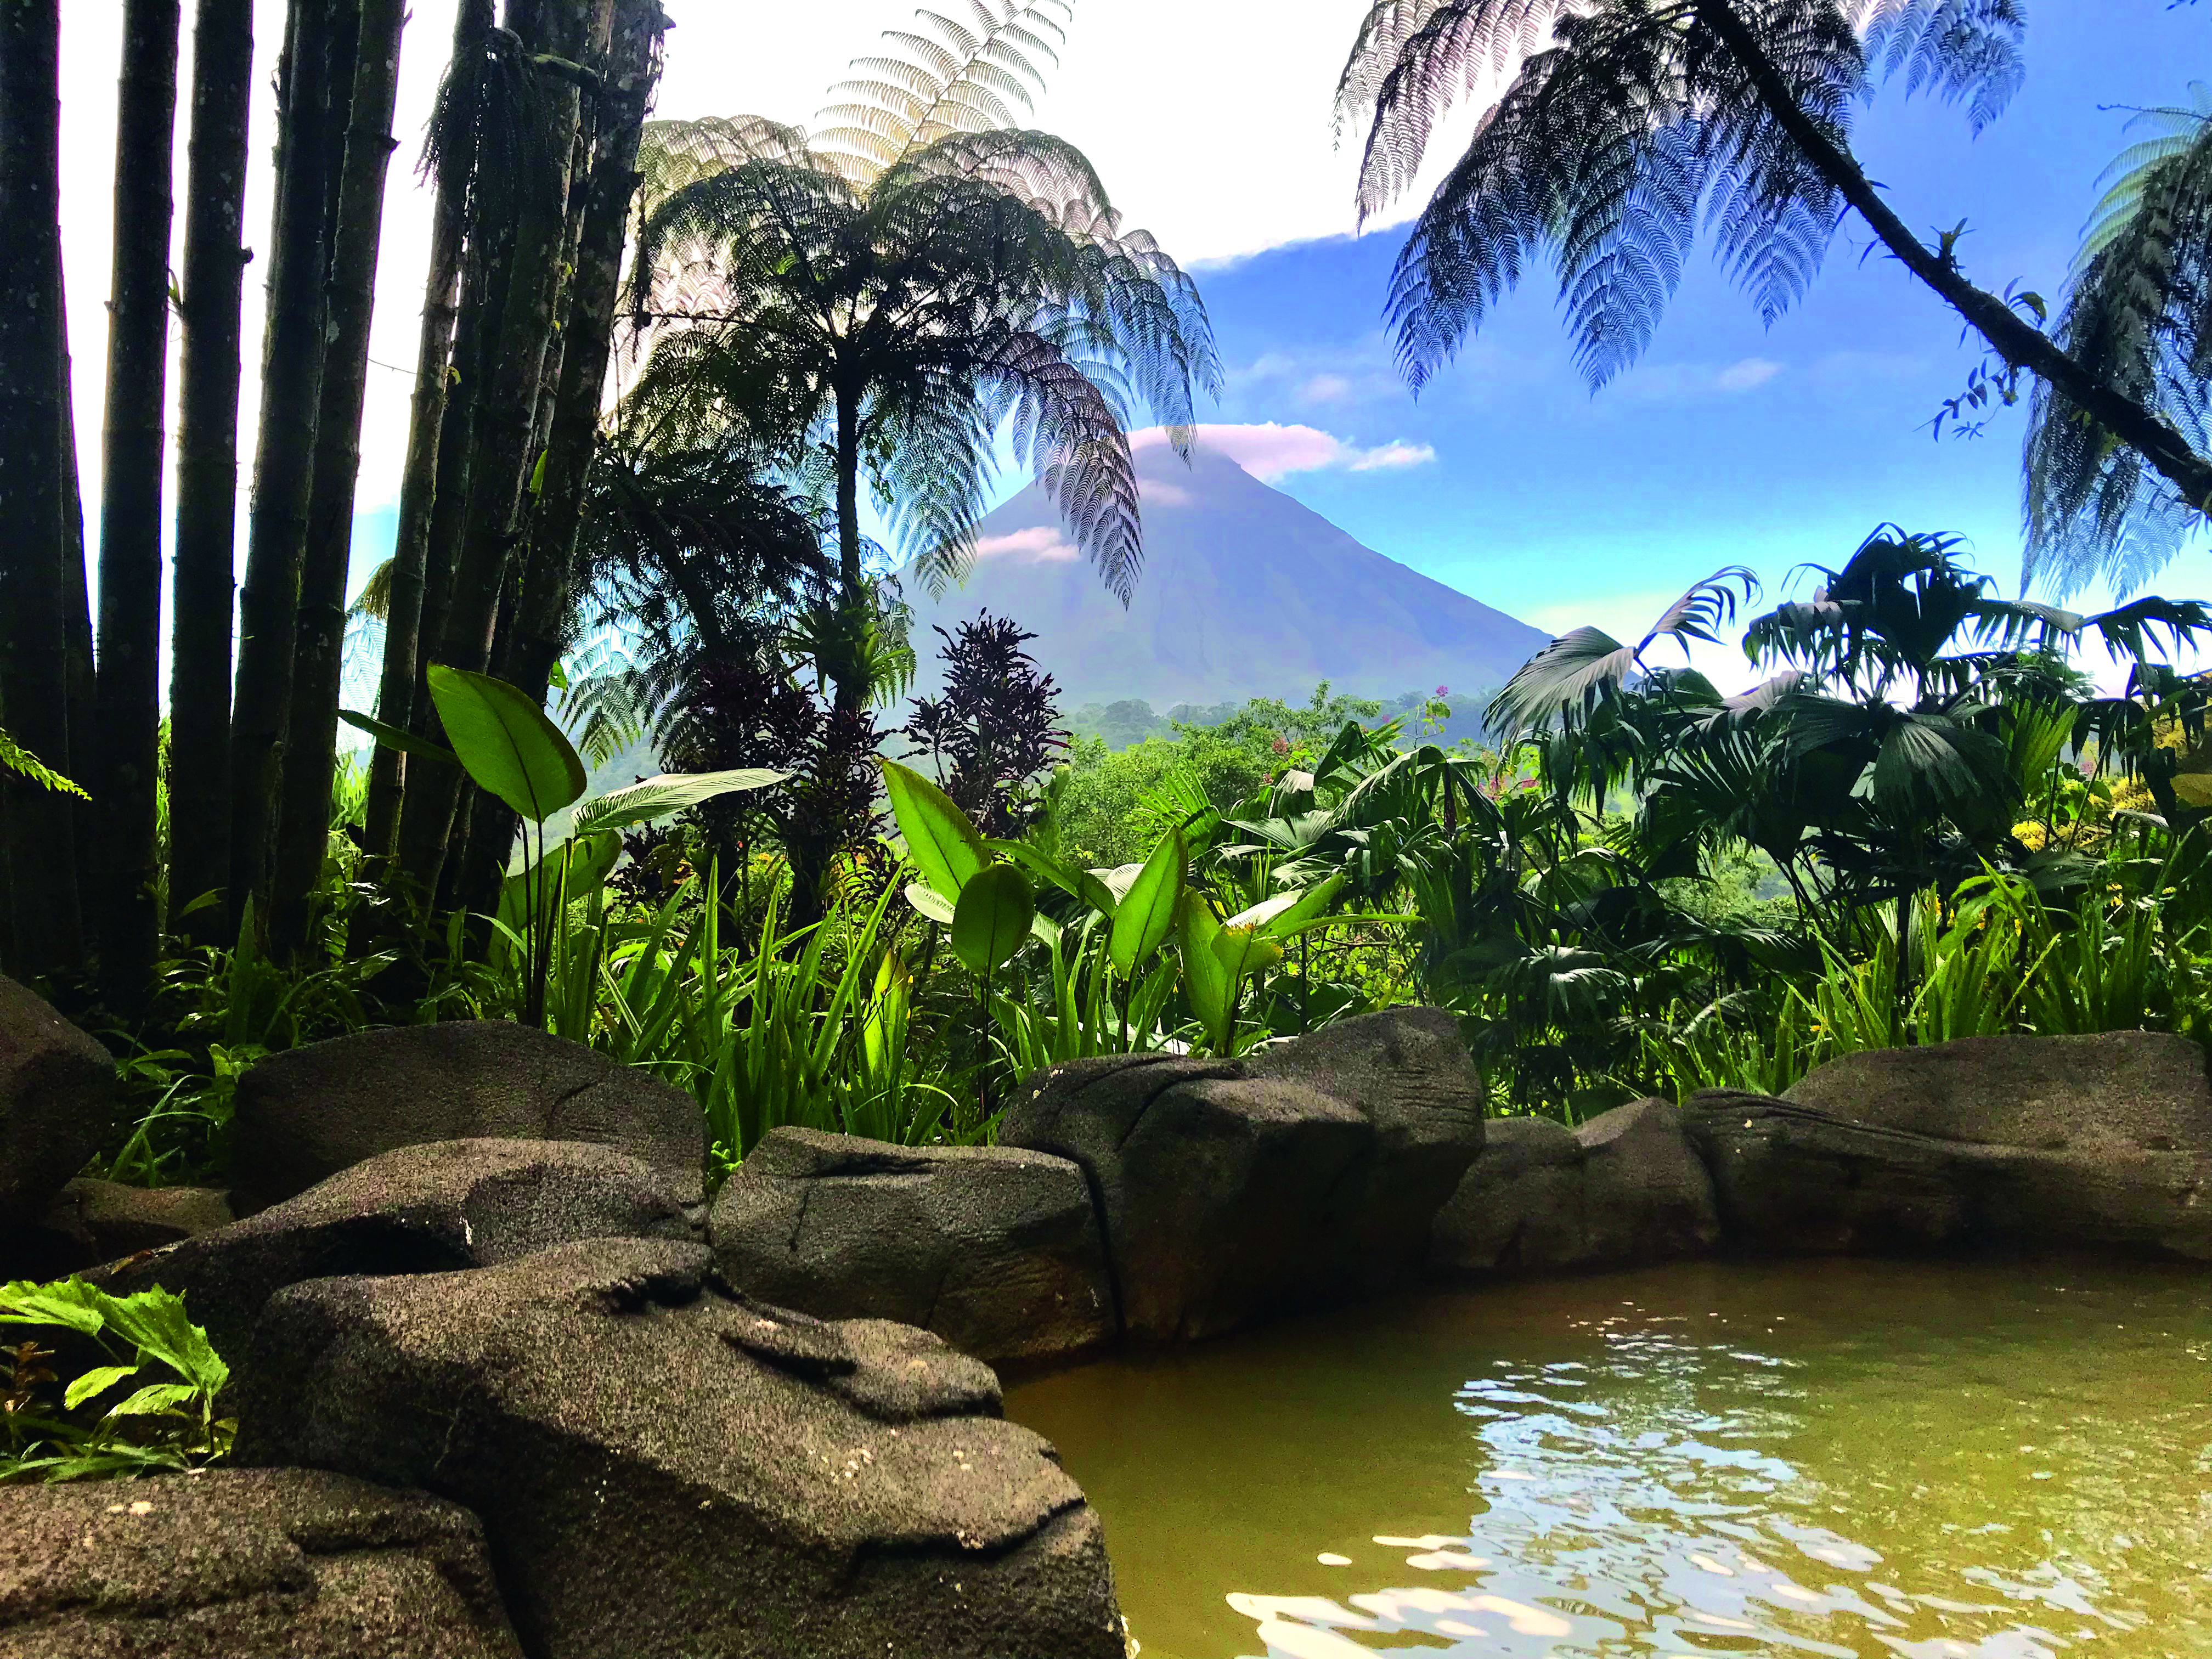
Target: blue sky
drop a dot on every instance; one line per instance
(1730, 444)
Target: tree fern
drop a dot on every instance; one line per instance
(895, 291)
(967, 80)
(2135, 307)
(1626, 127)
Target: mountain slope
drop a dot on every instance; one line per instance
(1245, 593)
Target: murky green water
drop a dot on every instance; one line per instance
(1834, 1458)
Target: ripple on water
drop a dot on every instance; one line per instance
(1843, 1459)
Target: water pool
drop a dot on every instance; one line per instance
(1843, 1458)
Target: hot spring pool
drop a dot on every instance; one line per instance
(1840, 1458)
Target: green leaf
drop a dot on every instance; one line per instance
(1148, 911)
(992, 918)
(14, 757)
(930, 902)
(1096, 894)
(586, 860)
(392, 737)
(1206, 978)
(93, 1382)
(504, 741)
(154, 1319)
(944, 845)
(70, 1302)
(155, 1398)
(1243, 951)
(672, 791)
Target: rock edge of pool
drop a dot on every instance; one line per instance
(505, 1385)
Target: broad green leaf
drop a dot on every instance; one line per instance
(1039, 863)
(884, 1029)
(504, 741)
(70, 1302)
(1282, 915)
(992, 918)
(155, 1321)
(573, 868)
(93, 1382)
(1146, 913)
(1206, 978)
(1243, 951)
(1045, 930)
(944, 845)
(930, 902)
(1096, 894)
(1118, 881)
(392, 736)
(157, 1397)
(672, 791)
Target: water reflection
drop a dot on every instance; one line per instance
(1930, 1463)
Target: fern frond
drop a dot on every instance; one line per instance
(962, 81)
(2134, 314)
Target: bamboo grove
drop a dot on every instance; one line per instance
(533, 153)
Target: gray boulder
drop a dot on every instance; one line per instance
(665, 1470)
(1304, 1175)
(1623, 1190)
(435, 1208)
(244, 1564)
(993, 1248)
(2102, 1140)
(59, 1103)
(304, 1114)
(116, 1220)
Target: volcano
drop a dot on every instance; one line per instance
(1245, 592)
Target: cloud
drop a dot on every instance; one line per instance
(1044, 545)
(1668, 383)
(1355, 372)
(1269, 450)
(1392, 455)
(1743, 376)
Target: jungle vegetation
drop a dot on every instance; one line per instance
(661, 363)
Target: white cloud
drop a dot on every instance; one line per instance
(1392, 455)
(1668, 383)
(1743, 376)
(1042, 545)
(1269, 450)
(1325, 389)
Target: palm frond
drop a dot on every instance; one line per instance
(1624, 127)
(2134, 314)
(373, 602)
(971, 78)
(1969, 50)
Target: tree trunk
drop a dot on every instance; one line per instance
(434, 356)
(34, 824)
(2009, 335)
(424, 824)
(633, 71)
(80, 676)
(310, 749)
(506, 410)
(128, 721)
(284, 466)
(207, 461)
(850, 681)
